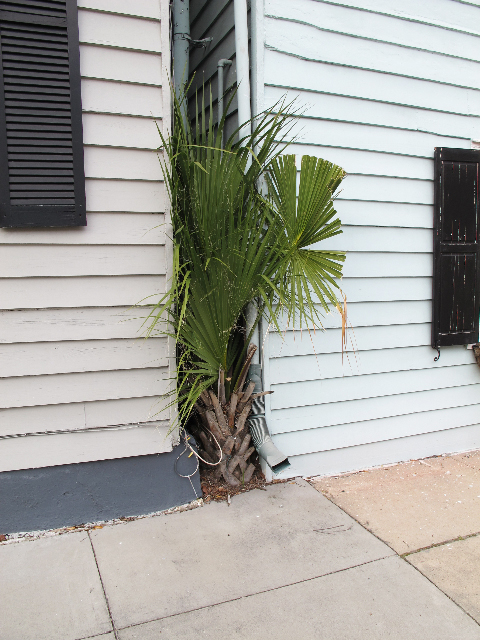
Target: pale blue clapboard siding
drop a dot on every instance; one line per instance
(380, 86)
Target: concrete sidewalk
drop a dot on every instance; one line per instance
(275, 564)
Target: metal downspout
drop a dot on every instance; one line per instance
(276, 460)
(181, 47)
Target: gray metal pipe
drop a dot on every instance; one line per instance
(181, 47)
(221, 64)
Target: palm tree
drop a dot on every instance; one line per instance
(235, 242)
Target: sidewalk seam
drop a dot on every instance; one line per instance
(103, 588)
(251, 595)
(440, 544)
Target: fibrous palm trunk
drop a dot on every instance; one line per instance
(223, 436)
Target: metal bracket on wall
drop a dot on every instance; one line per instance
(437, 357)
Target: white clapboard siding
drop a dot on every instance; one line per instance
(284, 70)
(71, 447)
(353, 411)
(120, 31)
(368, 162)
(386, 289)
(332, 107)
(329, 365)
(104, 63)
(102, 228)
(373, 454)
(371, 386)
(379, 85)
(139, 8)
(127, 164)
(47, 325)
(324, 46)
(367, 314)
(389, 264)
(88, 291)
(81, 415)
(28, 391)
(341, 19)
(121, 98)
(293, 343)
(382, 214)
(120, 131)
(27, 359)
(351, 435)
(125, 195)
(374, 138)
(76, 260)
(72, 353)
(431, 12)
(380, 239)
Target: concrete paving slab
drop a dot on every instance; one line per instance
(266, 539)
(411, 505)
(380, 600)
(471, 459)
(50, 589)
(455, 569)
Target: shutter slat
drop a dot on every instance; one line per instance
(456, 281)
(40, 115)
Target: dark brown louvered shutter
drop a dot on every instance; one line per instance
(456, 282)
(42, 181)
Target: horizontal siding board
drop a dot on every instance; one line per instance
(359, 433)
(120, 131)
(287, 71)
(119, 31)
(36, 359)
(70, 448)
(80, 260)
(384, 214)
(294, 343)
(142, 8)
(380, 239)
(88, 291)
(386, 289)
(117, 64)
(438, 12)
(387, 452)
(374, 26)
(372, 138)
(63, 388)
(80, 415)
(371, 314)
(369, 264)
(306, 41)
(375, 188)
(329, 365)
(125, 195)
(333, 107)
(353, 411)
(56, 325)
(121, 98)
(102, 228)
(369, 162)
(125, 164)
(316, 392)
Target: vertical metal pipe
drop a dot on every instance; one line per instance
(181, 46)
(243, 67)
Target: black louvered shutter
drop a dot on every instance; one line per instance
(456, 282)
(42, 181)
